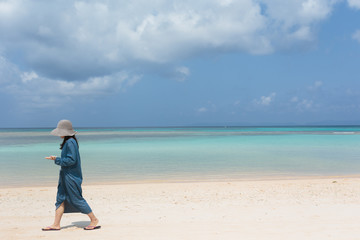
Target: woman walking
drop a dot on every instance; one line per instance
(69, 195)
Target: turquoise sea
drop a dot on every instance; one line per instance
(183, 154)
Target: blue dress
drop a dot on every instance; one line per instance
(70, 179)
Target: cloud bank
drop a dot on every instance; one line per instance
(86, 45)
(354, 4)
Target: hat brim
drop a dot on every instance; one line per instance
(62, 132)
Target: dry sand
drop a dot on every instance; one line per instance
(276, 209)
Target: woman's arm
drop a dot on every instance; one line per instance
(70, 158)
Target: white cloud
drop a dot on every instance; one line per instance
(294, 99)
(90, 45)
(265, 100)
(182, 73)
(299, 12)
(316, 85)
(37, 91)
(7, 8)
(202, 110)
(315, 9)
(354, 3)
(303, 33)
(293, 23)
(207, 107)
(356, 35)
(305, 104)
(104, 37)
(225, 3)
(28, 76)
(133, 80)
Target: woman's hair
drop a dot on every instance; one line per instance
(67, 138)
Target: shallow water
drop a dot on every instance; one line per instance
(183, 154)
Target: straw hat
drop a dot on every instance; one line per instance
(64, 128)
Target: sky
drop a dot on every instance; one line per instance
(115, 63)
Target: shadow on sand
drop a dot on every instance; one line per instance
(79, 224)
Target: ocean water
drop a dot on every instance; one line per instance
(183, 154)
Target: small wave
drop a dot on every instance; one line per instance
(344, 133)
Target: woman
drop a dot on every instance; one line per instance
(69, 195)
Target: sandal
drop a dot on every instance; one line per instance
(91, 227)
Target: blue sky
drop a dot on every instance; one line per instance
(179, 63)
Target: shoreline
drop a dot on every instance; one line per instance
(191, 180)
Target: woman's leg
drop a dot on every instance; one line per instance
(93, 219)
(58, 214)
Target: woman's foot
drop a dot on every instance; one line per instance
(94, 222)
(51, 228)
(93, 225)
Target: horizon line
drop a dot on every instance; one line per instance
(201, 126)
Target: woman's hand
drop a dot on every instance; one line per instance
(51, 157)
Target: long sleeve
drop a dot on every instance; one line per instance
(68, 155)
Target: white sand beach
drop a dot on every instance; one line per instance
(269, 209)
